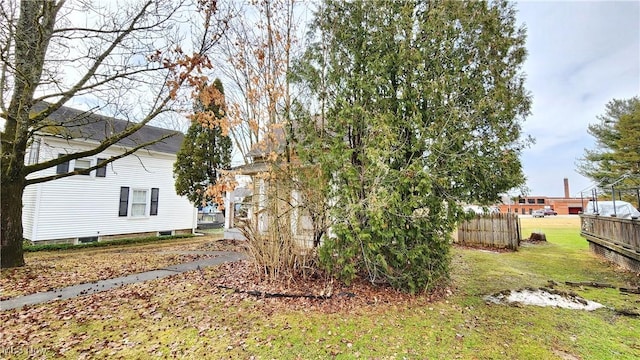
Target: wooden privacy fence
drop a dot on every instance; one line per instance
(494, 230)
(616, 239)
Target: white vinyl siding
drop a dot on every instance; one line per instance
(73, 207)
(29, 210)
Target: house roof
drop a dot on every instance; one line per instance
(252, 168)
(274, 142)
(276, 139)
(76, 124)
(241, 192)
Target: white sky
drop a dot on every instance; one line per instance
(581, 56)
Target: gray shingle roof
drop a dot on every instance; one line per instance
(276, 141)
(85, 125)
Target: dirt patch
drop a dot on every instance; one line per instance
(486, 249)
(565, 355)
(543, 297)
(239, 283)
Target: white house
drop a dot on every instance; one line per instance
(255, 214)
(132, 196)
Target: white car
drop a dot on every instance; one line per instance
(538, 213)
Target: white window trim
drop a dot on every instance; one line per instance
(147, 205)
(91, 163)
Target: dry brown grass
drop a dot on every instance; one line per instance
(551, 222)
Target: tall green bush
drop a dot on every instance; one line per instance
(420, 105)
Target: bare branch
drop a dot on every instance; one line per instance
(105, 144)
(91, 72)
(78, 155)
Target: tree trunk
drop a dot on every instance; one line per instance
(11, 254)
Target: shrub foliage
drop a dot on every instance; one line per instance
(418, 108)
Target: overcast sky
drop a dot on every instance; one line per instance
(581, 55)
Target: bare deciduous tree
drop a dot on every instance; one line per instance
(129, 59)
(257, 53)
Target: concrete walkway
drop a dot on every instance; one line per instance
(103, 285)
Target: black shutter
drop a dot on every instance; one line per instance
(154, 201)
(62, 168)
(124, 201)
(101, 171)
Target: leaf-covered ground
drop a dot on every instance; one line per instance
(189, 316)
(182, 311)
(45, 271)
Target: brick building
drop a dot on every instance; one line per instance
(562, 205)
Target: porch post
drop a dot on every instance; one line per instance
(228, 214)
(613, 197)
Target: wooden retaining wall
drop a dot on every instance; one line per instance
(495, 230)
(616, 239)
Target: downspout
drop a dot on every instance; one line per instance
(36, 213)
(194, 221)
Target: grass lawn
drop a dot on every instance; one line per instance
(186, 317)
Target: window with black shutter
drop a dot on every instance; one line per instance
(154, 201)
(101, 171)
(124, 201)
(62, 168)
